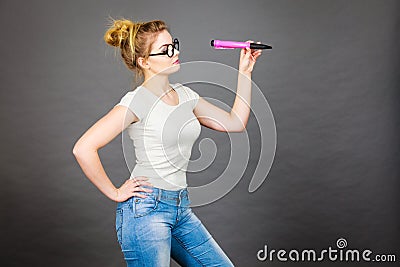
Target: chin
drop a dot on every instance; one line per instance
(171, 69)
(176, 67)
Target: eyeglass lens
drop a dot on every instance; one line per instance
(171, 48)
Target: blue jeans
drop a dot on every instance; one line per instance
(153, 229)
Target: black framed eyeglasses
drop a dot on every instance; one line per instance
(170, 51)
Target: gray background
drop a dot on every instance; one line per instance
(332, 81)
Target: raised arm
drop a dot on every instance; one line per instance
(218, 119)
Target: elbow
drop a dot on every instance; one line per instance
(79, 149)
(237, 124)
(239, 127)
(76, 150)
(243, 129)
(239, 130)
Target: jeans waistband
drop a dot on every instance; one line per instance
(172, 197)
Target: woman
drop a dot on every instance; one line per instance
(153, 219)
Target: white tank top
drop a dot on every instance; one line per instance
(164, 135)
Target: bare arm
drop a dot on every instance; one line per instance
(96, 137)
(218, 119)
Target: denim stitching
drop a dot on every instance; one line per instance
(153, 209)
(119, 225)
(183, 246)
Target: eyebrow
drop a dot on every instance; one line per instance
(165, 44)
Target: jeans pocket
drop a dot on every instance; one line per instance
(143, 206)
(118, 224)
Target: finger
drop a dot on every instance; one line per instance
(254, 50)
(148, 190)
(140, 183)
(137, 180)
(147, 183)
(138, 188)
(133, 187)
(249, 41)
(144, 189)
(139, 195)
(142, 178)
(247, 49)
(256, 54)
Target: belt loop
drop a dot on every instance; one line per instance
(159, 194)
(180, 191)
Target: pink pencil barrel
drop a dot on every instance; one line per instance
(230, 44)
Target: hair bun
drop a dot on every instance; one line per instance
(118, 32)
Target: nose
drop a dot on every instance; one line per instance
(176, 55)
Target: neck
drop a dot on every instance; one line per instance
(158, 84)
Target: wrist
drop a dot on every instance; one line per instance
(247, 73)
(114, 194)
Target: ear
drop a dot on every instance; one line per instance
(143, 63)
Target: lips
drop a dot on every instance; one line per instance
(176, 62)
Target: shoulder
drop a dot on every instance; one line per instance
(133, 100)
(189, 91)
(130, 95)
(133, 92)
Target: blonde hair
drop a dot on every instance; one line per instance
(135, 40)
